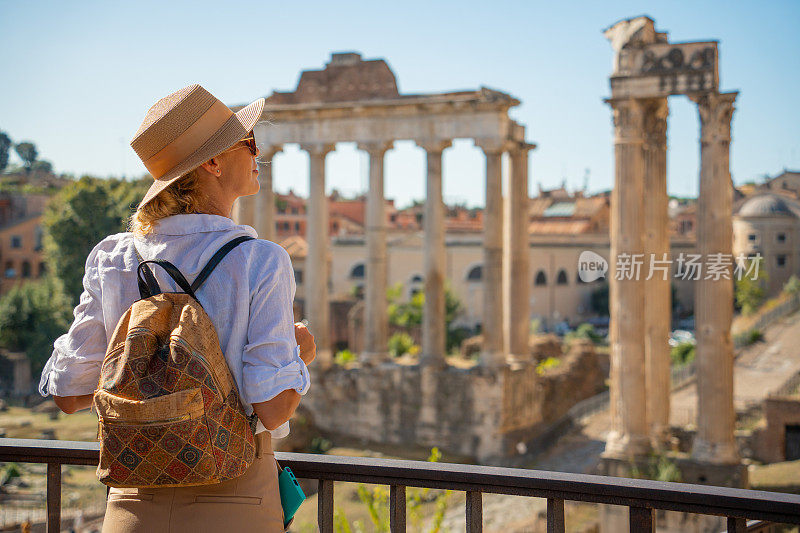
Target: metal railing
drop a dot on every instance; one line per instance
(642, 497)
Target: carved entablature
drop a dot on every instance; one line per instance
(664, 69)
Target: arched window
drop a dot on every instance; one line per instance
(562, 277)
(416, 278)
(475, 273)
(541, 278)
(357, 272)
(26, 269)
(42, 269)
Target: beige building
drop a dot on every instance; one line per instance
(768, 224)
(562, 225)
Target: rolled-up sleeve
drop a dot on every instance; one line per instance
(74, 367)
(271, 360)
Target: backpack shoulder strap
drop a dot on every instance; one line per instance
(215, 260)
(148, 285)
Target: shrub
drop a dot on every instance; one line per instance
(546, 364)
(792, 285)
(343, 357)
(747, 338)
(401, 343)
(682, 354)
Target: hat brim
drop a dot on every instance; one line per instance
(232, 131)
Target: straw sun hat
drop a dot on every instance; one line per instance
(184, 130)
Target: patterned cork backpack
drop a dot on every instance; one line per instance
(169, 410)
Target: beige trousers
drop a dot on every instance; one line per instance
(248, 503)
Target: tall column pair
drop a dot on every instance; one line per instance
(641, 307)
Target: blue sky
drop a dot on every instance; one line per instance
(77, 78)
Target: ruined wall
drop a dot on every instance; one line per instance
(477, 412)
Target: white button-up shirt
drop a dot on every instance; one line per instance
(248, 297)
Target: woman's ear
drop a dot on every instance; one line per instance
(212, 166)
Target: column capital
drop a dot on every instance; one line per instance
(716, 112)
(494, 146)
(318, 148)
(628, 119)
(433, 145)
(656, 111)
(376, 147)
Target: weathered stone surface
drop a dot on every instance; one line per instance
(479, 412)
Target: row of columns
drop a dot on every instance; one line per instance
(640, 364)
(260, 209)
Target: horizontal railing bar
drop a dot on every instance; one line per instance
(700, 499)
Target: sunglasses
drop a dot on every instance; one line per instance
(249, 142)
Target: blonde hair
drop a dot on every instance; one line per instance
(183, 196)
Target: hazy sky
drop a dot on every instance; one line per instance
(78, 77)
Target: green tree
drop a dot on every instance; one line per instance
(5, 148)
(32, 316)
(27, 152)
(45, 167)
(78, 217)
(750, 291)
(599, 299)
(409, 314)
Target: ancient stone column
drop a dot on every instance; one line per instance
(628, 436)
(265, 200)
(713, 306)
(493, 353)
(375, 315)
(658, 297)
(316, 305)
(433, 323)
(519, 306)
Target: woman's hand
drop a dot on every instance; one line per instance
(305, 340)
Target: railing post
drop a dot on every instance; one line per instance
(53, 497)
(555, 516)
(474, 512)
(397, 509)
(641, 520)
(737, 525)
(325, 506)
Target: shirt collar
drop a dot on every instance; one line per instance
(194, 223)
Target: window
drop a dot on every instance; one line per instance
(562, 277)
(357, 272)
(781, 260)
(26, 269)
(16, 241)
(541, 278)
(42, 269)
(9, 270)
(751, 237)
(475, 273)
(416, 278)
(297, 226)
(298, 277)
(39, 235)
(781, 237)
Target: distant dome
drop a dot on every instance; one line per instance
(767, 205)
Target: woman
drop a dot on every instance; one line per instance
(202, 157)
